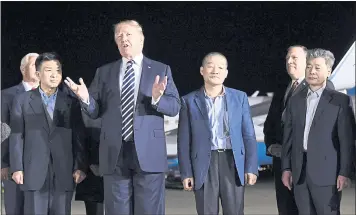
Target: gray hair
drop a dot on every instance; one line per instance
(322, 53)
(133, 23)
(213, 54)
(24, 60)
(298, 46)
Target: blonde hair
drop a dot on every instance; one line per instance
(133, 23)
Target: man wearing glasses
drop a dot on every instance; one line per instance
(217, 149)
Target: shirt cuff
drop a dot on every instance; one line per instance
(153, 102)
(86, 102)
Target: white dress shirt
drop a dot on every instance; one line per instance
(27, 86)
(137, 66)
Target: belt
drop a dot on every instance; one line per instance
(222, 150)
(128, 142)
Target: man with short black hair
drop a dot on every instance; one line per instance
(47, 152)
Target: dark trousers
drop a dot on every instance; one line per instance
(221, 182)
(13, 198)
(48, 200)
(94, 208)
(313, 199)
(285, 198)
(129, 190)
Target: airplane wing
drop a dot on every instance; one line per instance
(255, 94)
(343, 75)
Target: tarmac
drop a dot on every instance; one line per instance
(259, 199)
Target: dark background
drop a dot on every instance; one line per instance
(254, 36)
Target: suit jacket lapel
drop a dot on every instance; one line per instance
(114, 84)
(144, 94)
(115, 74)
(146, 81)
(302, 105)
(200, 102)
(231, 105)
(37, 107)
(20, 88)
(300, 87)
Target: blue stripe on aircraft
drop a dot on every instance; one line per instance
(351, 92)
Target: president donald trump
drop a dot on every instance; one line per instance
(216, 142)
(131, 95)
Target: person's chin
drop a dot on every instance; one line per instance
(312, 82)
(53, 86)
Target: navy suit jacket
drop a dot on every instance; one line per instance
(7, 97)
(149, 135)
(194, 136)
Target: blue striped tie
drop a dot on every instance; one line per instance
(127, 101)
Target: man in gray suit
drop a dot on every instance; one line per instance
(131, 101)
(318, 142)
(13, 196)
(273, 127)
(47, 153)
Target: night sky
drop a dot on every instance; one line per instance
(254, 36)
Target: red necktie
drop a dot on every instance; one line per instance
(290, 93)
(295, 84)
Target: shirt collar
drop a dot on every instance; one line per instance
(43, 94)
(27, 86)
(221, 94)
(299, 80)
(138, 60)
(317, 92)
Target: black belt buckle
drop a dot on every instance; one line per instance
(128, 141)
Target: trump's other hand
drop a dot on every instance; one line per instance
(80, 89)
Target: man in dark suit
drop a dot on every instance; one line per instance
(318, 143)
(217, 148)
(131, 101)
(273, 127)
(13, 196)
(46, 144)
